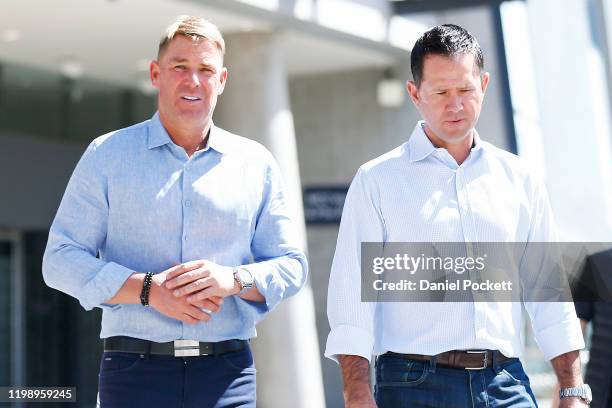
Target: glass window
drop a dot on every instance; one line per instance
(44, 104)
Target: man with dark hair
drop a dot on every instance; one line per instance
(180, 232)
(445, 184)
(449, 40)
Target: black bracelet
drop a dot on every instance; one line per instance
(146, 289)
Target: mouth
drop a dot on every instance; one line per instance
(455, 122)
(190, 98)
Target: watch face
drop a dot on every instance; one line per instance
(245, 277)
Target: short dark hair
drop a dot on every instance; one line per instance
(447, 40)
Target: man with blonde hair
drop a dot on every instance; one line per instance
(179, 231)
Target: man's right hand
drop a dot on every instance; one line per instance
(163, 300)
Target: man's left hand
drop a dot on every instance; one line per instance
(567, 369)
(209, 280)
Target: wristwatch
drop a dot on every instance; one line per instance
(244, 279)
(582, 391)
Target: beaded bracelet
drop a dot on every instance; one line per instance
(146, 289)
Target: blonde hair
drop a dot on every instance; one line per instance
(194, 27)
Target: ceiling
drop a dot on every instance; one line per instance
(419, 6)
(115, 40)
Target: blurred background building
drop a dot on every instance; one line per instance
(320, 82)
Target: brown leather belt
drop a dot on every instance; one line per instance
(466, 359)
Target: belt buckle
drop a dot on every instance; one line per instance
(484, 362)
(186, 348)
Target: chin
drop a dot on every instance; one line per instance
(192, 115)
(453, 137)
(458, 133)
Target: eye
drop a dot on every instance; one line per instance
(180, 67)
(441, 93)
(466, 90)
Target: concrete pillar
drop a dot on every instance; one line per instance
(575, 117)
(256, 105)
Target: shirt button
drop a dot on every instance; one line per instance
(187, 203)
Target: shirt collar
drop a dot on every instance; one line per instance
(216, 140)
(420, 146)
(158, 136)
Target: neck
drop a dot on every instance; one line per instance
(191, 139)
(459, 150)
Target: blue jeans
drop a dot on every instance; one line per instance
(401, 382)
(134, 380)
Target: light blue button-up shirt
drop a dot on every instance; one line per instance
(141, 204)
(418, 193)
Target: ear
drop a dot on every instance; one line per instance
(222, 80)
(154, 73)
(484, 81)
(413, 91)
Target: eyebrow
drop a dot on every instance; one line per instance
(446, 88)
(178, 60)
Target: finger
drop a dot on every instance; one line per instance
(216, 299)
(187, 277)
(184, 267)
(209, 292)
(192, 287)
(174, 271)
(196, 313)
(207, 304)
(188, 319)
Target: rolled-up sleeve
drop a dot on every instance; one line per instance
(350, 319)
(70, 262)
(280, 268)
(555, 324)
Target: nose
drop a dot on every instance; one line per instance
(194, 80)
(455, 104)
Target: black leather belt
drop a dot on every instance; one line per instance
(466, 359)
(177, 348)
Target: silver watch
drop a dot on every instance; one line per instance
(582, 391)
(244, 279)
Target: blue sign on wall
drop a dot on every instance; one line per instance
(323, 205)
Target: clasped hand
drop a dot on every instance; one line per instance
(193, 291)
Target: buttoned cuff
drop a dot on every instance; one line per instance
(349, 340)
(561, 338)
(104, 286)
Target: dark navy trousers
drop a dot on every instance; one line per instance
(129, 380)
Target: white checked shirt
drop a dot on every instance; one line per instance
(418, 193)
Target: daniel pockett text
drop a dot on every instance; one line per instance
(422, 263)
(461, 272)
